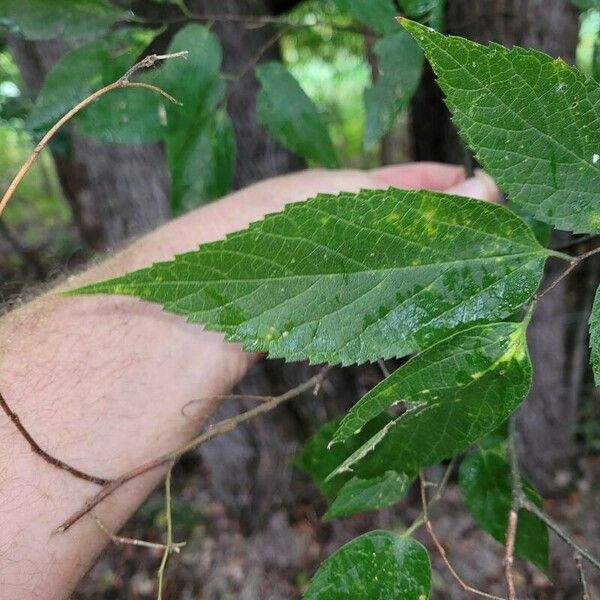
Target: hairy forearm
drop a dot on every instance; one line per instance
(99, 382)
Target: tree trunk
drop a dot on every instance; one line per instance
(547, 420)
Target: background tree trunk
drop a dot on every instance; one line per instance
(547, 420)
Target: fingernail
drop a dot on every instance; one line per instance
(481, 187)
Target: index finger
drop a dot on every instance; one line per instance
(426, 175)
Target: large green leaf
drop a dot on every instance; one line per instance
(380, 15)
(318, 460)
(400, 62)
(485, 483)
(456, 392)
(353, 277)
(88, 68)
(59, 19)
(292, 117)
(533, 122)
(362, 495)
(379, 565)
(595, 337)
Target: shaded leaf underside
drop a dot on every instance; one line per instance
(485, 483)
(361, 495)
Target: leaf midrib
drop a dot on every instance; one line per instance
(534, 254)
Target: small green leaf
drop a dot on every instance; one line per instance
(353, 277)
(587, 4)
(456, 392)
(533, 122)
(201, 162)
(59, 19)
(541, 230)
(318, 460)
(292, 117)
(380, 15)
(362, 495)
(415, 9)
(495, 440)
(85, 70)
(485, 483)
(374, 566)
(595, 337)
(200, 140)
(133, 116)
(400, 63)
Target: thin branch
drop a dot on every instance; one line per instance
(513, 515)
(37, 449)
(268, 44)
(527, 504)
(127, 541)
(577, 242)
(169, 545)
(212, 431)
(149, 61)
(584, 584)
(441, 487)
(224, 398)
(383, 368)
(122, 82)
(573, 264)
(259, 21)
(521, 500)
(509, 556)
(442, 551)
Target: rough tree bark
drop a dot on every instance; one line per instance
(547, 420)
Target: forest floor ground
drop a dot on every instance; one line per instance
(275, 562)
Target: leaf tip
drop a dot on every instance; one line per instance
(411, 26)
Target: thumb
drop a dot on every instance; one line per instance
(480, 187)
